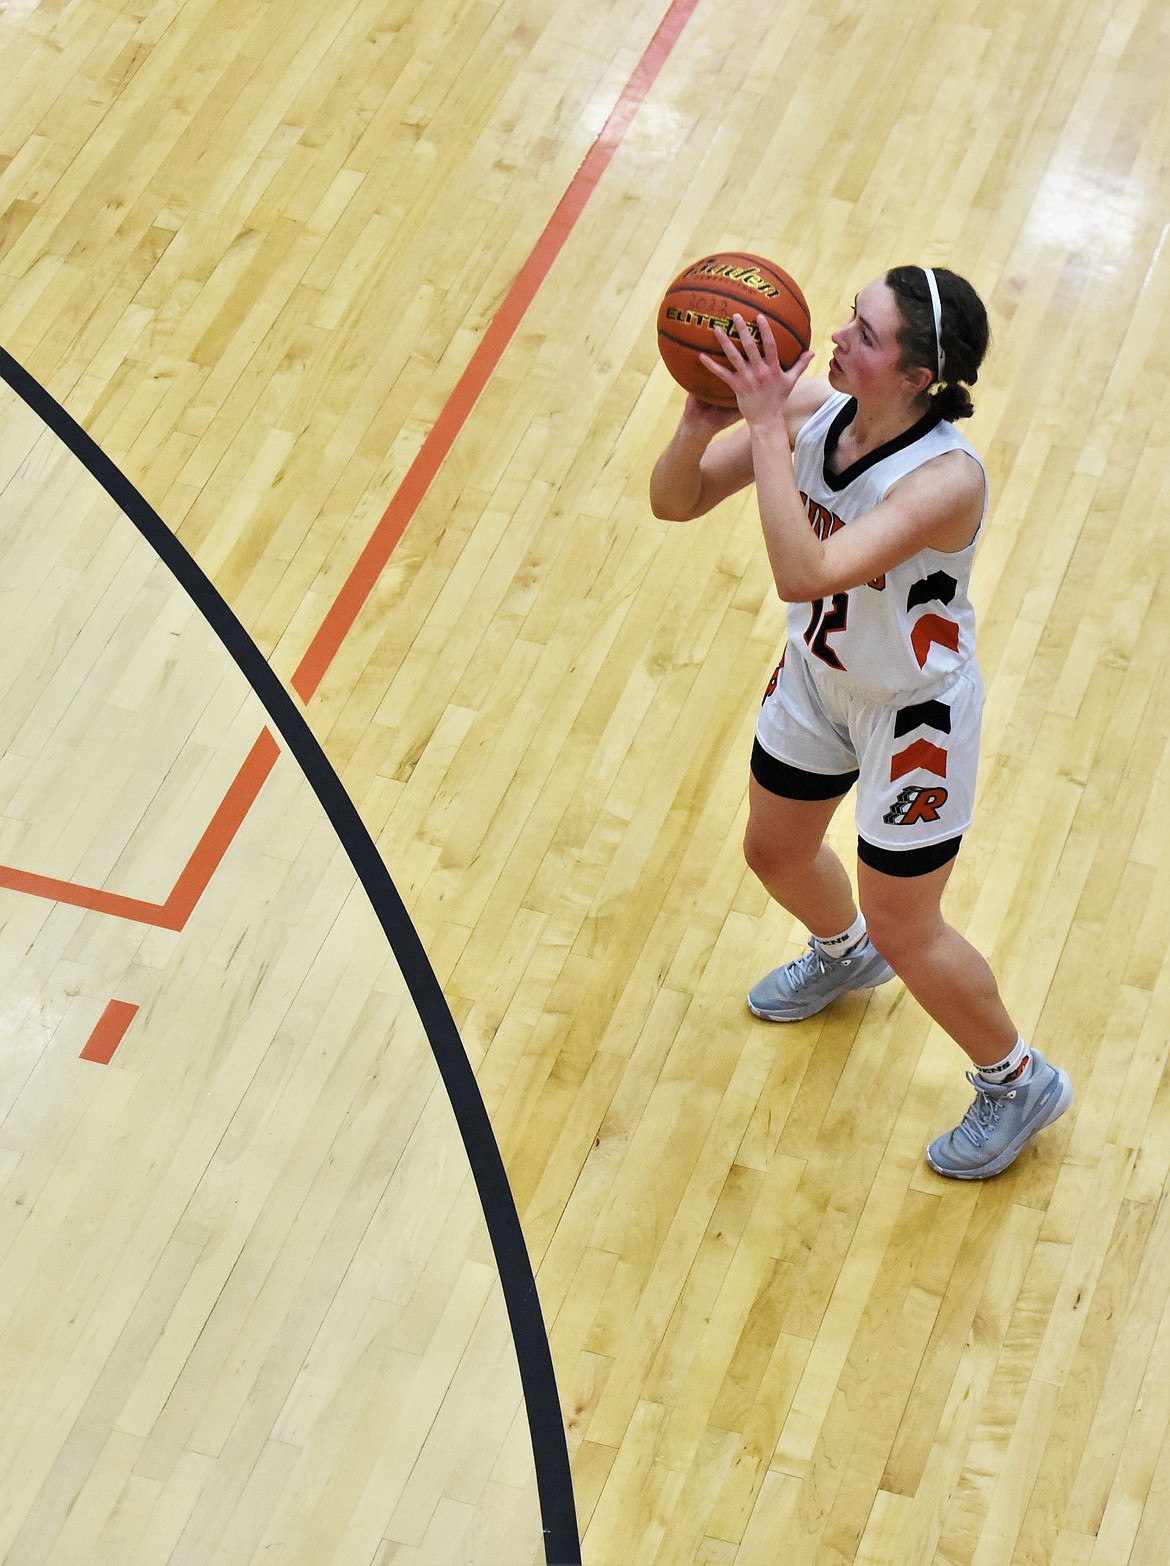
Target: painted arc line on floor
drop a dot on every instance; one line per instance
(403, 504)
(554, 1480)
(533, 1356)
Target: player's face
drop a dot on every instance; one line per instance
(866, 353)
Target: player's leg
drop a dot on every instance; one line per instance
(803, 765)
(915, 799)
(784, 845)
(1017, 1092)
(946, 975)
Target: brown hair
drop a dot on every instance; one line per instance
(965, 334)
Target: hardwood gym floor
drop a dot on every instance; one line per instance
(361, 301)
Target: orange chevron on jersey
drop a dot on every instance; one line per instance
(921, 755)
(932, 629)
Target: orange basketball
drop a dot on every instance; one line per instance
(706, 295)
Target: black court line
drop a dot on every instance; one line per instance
(549, 1448)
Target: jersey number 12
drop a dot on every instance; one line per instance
(824, 623)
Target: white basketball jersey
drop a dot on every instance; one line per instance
(909, 632)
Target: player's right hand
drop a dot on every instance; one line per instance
(706, 416)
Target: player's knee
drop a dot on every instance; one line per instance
(886, 935)
(766, 855)
(756, 852)
(904, 942)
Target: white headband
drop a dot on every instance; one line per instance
(936, 306)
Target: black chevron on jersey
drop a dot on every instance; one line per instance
(938, 585)
(923, 715)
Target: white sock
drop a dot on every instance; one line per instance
(841, 945)
(1014, 1065)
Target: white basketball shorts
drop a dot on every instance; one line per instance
(914, 761)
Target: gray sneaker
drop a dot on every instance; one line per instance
(802, 988)
(1001, 1122)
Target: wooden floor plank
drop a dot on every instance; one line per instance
(253, 253)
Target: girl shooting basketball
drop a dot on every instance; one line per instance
(871, 504)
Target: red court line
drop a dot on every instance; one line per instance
(91, 897)
(221, 832)
(110, 1032)
(174, 913)
(202, 865)
(360, 583)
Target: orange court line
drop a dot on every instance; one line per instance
(370, 563)
(110, 1032)
(174, 913)
(202, 865)
(221, 831)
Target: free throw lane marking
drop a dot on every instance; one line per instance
(357, 588)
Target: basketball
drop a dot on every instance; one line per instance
(705, 295)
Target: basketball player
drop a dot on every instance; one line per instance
(871, 503)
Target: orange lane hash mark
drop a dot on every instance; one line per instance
(110, 1032)
(202, 865)
(174, 913)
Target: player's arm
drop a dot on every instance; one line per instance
(937, 506)
(697, 471)
(701, 466)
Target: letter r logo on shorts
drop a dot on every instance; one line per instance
(916, 804)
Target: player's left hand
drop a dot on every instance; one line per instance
(753, 370)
